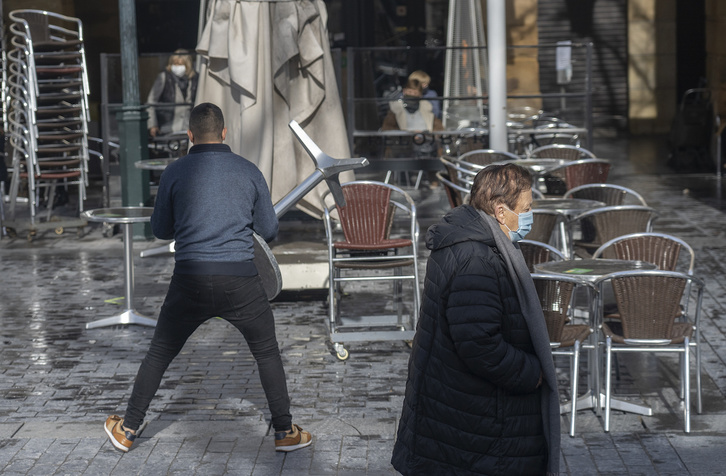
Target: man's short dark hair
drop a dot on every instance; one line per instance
(206, 121)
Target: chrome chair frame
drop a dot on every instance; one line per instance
(659, 345)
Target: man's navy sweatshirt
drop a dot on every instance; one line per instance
(210, 201)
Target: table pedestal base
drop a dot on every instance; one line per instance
(589, 400)
(624, 406)
(129, 316)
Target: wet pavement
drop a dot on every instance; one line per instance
(60, 381)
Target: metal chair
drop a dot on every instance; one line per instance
(582, 172)
(547, 227)
(455, 193)
(555, 295)
(661, 249)
(364, 254)
(609, 194)
(555, 182)
(647, 301)
(536, 252)
(561, 151)
(601, 225)
(459, 172)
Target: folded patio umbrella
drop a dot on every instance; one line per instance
(266, 63)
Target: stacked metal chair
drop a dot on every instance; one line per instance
(47, 104)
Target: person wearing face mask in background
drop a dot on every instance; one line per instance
(481, 395)
(411, 112)
(176, 84)
(427, 93)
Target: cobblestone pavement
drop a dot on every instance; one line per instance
(60, 381)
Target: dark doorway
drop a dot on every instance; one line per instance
(166, 25)
(690, 45)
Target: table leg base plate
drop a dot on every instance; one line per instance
(127, 317)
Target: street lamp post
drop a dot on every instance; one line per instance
(131, 118)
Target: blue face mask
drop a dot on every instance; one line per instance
(524, 223)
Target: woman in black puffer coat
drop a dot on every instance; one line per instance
(481, 395)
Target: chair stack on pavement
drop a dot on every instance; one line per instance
(47, 107)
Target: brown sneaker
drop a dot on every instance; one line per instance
(120, 438)
(292, 440)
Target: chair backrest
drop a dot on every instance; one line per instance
(36, 22)
(456, 194)
(484, 157)
(604, 224)
(647, 302)
(549, 138)
(584, 171)
(471, 138)
(555, 296)
(366, 216)
(544, 224)
(561, 151)
(658, 248)
(536, 252)
(609, 194)
(461, 174)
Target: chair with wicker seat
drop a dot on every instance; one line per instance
(555, 181)
(647, 301)
(455, 193)
(548, 227)
(561, 151)
(600, 225)
(536, 252)
(610, 194)
(555, 295)
(368, 252)
(665, 251)
(583, 172)
(661, 249)
(460, 173)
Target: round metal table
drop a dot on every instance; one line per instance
(591, 268)
(568, 206)
(126, 217)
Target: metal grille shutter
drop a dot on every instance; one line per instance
(605, 24)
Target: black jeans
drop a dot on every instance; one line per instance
(190, 301)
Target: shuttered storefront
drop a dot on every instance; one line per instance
(605, 24)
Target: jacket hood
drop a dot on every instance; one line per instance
(463, 223)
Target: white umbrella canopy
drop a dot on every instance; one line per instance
(265, 63)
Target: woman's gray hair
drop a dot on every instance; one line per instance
(499, 184)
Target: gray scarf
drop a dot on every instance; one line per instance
(532, 311)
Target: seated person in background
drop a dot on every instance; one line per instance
(412, 113)
(176, 84)
(428, 94)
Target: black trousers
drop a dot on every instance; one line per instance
(192, 300)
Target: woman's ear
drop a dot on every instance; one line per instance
(499, 214)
